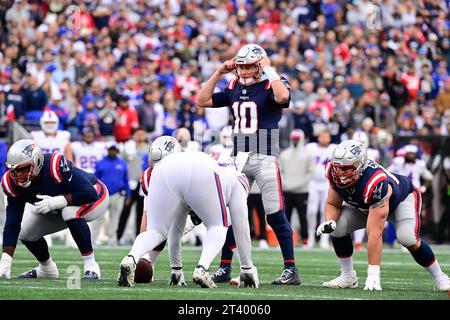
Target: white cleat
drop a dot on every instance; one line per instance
(343, 281)
(42, 271)
(442, 282)
(249, 278)
(126, 273)
(202, 278)
(92, 272)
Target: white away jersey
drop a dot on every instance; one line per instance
(86, 155)
(56, 144)
(321, 156)
(411, 170)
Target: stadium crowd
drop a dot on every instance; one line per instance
(114, 66)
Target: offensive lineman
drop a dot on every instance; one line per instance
(62, 196)
(378, 194)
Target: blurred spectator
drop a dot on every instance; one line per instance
(443, 99)
(16, 100)
(127, 120)
(150, 113)
(297, 167)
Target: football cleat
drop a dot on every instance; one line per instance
(48, 271)
(343, 281)
(126, 273)
(177, 278)
(223, 274)
(289, 276)
(249, 278)
(92, 273)
(442, 282)
(202, 278)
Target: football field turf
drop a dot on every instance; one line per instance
(401, 278)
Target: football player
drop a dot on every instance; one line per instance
(49, 138)
(88, 152)
(177, 181)
(256, 97)
(62, 196)
(318, 186)
(378, 194)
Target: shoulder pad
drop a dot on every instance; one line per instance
(377, 177)
(7, 185)
(232, 83)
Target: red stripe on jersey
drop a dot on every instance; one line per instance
(7, 185)
(54, 168)
(267, 85)
(231, 83)
(373, 181)
(327, 170)
(145, 180)
(417, 207)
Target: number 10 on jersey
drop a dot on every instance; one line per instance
(246, 117)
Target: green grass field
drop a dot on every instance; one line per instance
(401, 279)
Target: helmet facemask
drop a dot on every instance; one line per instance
(22, 174)
(344, 176)
(248, 73)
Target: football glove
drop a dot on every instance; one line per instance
(326, 227)
(48, 204)
(5, 266)
(373, 278)
(177, 278)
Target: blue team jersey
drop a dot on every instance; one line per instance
(58, 176)
(256, 115)
(372, 187)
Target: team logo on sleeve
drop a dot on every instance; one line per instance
(377, 191)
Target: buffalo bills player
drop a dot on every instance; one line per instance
(62, 195)
(256, 98)
(378, 194)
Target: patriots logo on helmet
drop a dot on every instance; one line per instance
(28, 150)
(356, 151)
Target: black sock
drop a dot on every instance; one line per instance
(38, 248)
(81, 234)
(343, 246)
(227, 250)
(283, 231)
(424, 255)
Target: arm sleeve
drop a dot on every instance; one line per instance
(288, 86)
(221, 99)
(377, 192)
(76, 182)
(14, 214)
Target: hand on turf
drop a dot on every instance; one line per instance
(5, 266)
(326, 227)
(373, 278)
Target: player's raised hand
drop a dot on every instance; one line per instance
(5, 266)
(265, 62)
(326, 227)
(227, 66)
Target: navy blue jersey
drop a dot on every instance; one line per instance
(256, 115)
(58, 176)
(372, 187)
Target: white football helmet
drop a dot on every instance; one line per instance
(49, 122)
(249, 55)
(362, 137)
(162, 147)
(349, 153)
(24, 161)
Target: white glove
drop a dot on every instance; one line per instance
(373, 278)
(326, 227)
(251, 278)
(48, 204)
(177, 278)
(5, 266)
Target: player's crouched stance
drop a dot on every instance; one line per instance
(62, 195)
(177, 181)
(379, 195)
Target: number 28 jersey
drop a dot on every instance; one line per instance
(86, 155)
(256, 115)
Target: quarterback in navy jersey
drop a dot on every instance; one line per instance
(256, 97)
(61, 196)
(378, 195)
